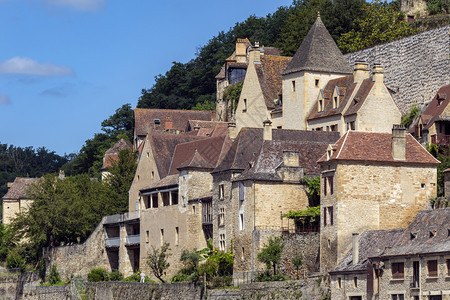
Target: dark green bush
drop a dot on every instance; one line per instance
(115, 276)
(54, 277)
(97, 275)
(15, 261)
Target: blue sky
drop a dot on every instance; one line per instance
(66, 65)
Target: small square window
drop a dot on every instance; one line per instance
(156, 121)
(422, 185)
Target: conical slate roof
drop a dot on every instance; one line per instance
(318, 52)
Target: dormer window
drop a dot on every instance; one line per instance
(335, 102)
(413, 235)
(156, 121)
(432, 233)
(320, 106)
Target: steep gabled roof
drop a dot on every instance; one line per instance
(429, 232)
(19, 188)
(207, 128)
(346, 87)
(206, 153)
(269, 76)
(166, 119)
(436, 107)
(270, 157)
(318, 52)
(163, 148)
(377, 147)
(360, 97)
(112, 154)
(244, 147)
(370, 243)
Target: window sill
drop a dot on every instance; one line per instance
(397, 279)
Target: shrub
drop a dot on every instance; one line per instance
(97, 275)
(180, 277)
(267, 276)
(54, 277)
(115, 276)
(15, 261)
(136, 277)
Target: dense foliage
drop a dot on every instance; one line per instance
(380, 22)
(270, 254)
(27, 162)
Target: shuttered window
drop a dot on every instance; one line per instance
(398, 270)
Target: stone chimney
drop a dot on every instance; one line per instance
(360, 71)
(377, 73)
(355, 248)
(267, 133)
(241, 50)
(232, 130)
(290, 158)
(399, 142)
(255, 55)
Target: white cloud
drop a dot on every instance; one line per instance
(89, 5)
(4, 99)
(24, 65)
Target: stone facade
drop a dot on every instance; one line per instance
(382, 196)
(260, 208)
(415, 67)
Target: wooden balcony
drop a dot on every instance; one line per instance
(440, 139)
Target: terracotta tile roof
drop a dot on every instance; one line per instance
(163, 148)
(112, 154)
(19, 188)
(436, 107)
(318, 52)
(206, 153)
(345, 86)
(269, 76)
(207, 128)
(428, 233)
(371, 146)
(371, 243)
(169, 119)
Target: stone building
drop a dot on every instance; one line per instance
(233, 71)
(260, 97)
(355, 102)
(317, 61)
(177, 208)
(15, 200)
(272, 185)
(406, 263)
(383, 179)
(156, 152)
(164, 120)
(433, 124)
(112, 154)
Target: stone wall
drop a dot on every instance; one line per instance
(135, 290)
(80, 258)
(13, 286)
(415, 67)
(47, 293)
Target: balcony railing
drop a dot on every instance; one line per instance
(113, 242)
(133, 240)
(123, 217)
(440, 139)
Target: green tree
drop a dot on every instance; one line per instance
(435, 7)
(270, 254)
(297, 261)
(408, 118)
(379, 23)
(121, 122)
(63, 211)
(54, 276)
(120, 178)
(157, 260)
